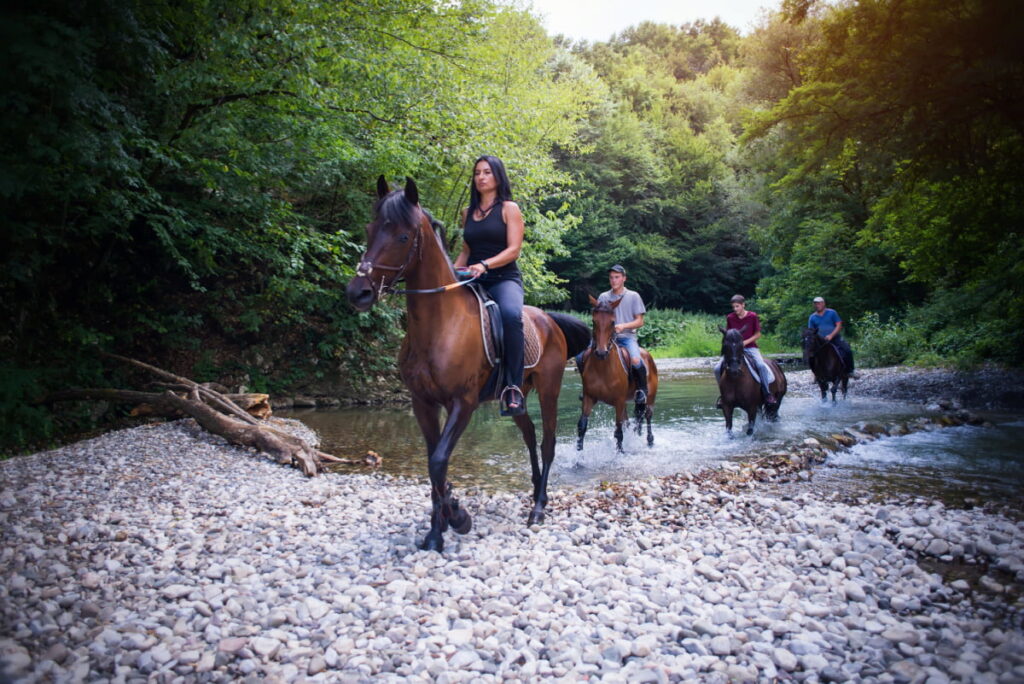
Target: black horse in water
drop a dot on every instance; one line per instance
(739, 387)
(823, 359)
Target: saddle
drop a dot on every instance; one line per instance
(754, 371)
(620, 352)
(493, 334)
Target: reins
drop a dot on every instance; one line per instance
(367, 266)
(443, 288)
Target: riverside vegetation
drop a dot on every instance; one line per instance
(187, 183)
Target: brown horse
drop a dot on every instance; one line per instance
(739, 388)
(824, 361)
(442, 360)
(605, 377)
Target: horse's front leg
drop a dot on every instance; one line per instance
(823, 386)
(727, 410)
(445, 509)
(647, 415)
(835, 388)
(620, 418)
(427, 415)
(846, 381)
(549, 420)
(751, 418)
(581, 426)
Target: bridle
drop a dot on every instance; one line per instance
(732, 354)
(366, 267)
(611, 338)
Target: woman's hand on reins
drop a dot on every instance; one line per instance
(478, 269)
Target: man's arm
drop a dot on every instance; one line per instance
(838, 328)
(637, 322)
(757, 332)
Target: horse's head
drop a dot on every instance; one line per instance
(393, 243)
(603, 315)
(811, 342)
(732, 350)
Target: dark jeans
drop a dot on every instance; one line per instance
(508, 293)
(845, 353)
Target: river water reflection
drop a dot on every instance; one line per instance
(689, 435)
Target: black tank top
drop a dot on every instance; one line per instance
(488, 238)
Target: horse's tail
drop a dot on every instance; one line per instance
(577, 333)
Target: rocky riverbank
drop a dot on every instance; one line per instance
(163, 553)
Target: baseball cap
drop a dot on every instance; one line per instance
(819, 299)
(618, 269)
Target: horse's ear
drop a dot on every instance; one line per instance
(593, 302)
(722, 330)
(382, 186)
(616, 303)
(412, 194)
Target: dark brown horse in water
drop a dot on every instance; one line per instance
(824, 361)
(740, 388)
(442, 361)
(605, 377)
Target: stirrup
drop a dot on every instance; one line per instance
(507, 410)
(640, 397)
(770, 399)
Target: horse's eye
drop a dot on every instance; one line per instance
(403, 238)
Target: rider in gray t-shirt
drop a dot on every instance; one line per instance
(629, 316)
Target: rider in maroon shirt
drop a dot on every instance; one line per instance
(749, 326)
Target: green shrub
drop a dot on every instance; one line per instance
(886, 344)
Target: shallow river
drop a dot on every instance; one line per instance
(689, 434)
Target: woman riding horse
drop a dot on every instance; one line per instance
(442, 360)
(492, 239)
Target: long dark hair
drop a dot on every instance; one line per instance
(504, 187)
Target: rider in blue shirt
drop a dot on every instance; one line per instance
(829, 325)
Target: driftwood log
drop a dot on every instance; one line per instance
(235, 417)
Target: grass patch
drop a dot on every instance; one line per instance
(670, 333)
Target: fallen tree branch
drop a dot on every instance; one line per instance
(220, 414)
(286, 449)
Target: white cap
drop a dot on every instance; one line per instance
(819, 299)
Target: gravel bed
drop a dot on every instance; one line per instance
(163, 554)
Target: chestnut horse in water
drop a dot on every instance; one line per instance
(739, 388)
(605, 377)
(824, 361)
(442, 361)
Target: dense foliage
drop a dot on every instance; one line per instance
(894, 163)
(655, 190)
(188, 181)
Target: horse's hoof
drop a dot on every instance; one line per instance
(650, 441)
(462, 522)
(579, 445)
(430, 543)
(535, 518)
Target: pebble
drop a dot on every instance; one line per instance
(205, 561)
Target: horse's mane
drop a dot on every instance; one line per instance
(731, 338)
(393, 208)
